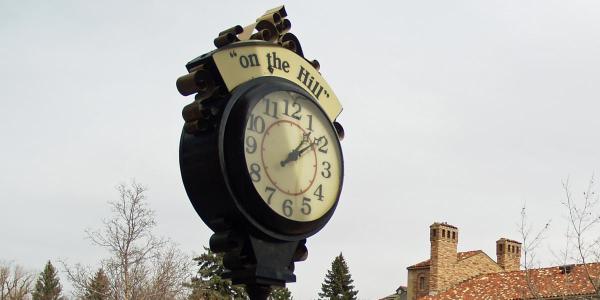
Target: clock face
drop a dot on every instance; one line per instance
(292, 156)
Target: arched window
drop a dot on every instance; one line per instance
(422, 285)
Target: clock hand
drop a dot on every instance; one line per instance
(295, 153)
(306, 148)
(292, 156)
(300, 145)
(306, 137)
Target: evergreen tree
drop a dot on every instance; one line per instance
(281, 294)
(338, 282)
(208, 283)
(47, 286)
(98, 288)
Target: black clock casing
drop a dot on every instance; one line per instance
(215, 176)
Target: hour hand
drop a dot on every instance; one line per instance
(292, 156)
(296, 152)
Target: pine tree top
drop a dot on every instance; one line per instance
(99, 287)
(338, 281)
(48, 285)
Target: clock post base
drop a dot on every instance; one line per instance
(261, 264)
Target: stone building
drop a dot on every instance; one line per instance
(449, 274)
(446, 266)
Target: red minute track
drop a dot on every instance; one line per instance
(267, 167)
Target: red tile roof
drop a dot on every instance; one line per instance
(459, 256)
(543, 283)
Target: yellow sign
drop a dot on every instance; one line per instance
(245, 62)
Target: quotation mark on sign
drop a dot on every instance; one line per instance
(232, 54)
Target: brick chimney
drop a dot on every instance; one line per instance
(509, 254)
(444, 239)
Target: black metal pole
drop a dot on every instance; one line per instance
(258, 292)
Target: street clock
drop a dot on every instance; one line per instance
(260, 153)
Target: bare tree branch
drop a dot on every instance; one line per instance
(140, 265)
(15, 282)
(584, 218)
(530, 240)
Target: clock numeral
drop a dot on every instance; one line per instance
(287, 208)
(326, 170)
(271, 191)
(256, 124)
(319, 192)
(310, 122)
(255, 172)
(296, 114)
(250, 144)
(322, 143)
(306, 209)
(271, 108)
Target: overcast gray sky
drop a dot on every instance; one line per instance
(456, 111)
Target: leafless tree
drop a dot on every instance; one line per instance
(584, 219)
(15, 282)
(582, 243)
(562, 258)
(530, 241)
(140, 265)
(166, 278)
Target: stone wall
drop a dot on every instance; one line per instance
(413, 287)
(472, 266)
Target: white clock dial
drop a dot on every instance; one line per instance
(293, 156)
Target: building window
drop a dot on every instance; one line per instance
(443, 233)
(518, 249)
(433, 233)
(453, 235)
(499, 248)
(422, 283)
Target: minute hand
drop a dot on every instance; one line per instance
(305, 148)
